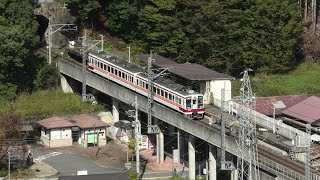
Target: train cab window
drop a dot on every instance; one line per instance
(194, 101)
(200, 101)
(188, 102)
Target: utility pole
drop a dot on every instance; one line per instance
(137, 137)
(152, 129)
(9, 168)
(84, 66)
(225, 165)
(178, 144)
(129, 59)
(61, 27)
(84, 51)
(308, 153)
(247, 165)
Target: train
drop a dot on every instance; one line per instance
(166, 92)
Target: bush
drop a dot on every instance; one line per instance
(132, 175)
(48, 77)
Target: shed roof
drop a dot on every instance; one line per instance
(307, 110)
(264, 105)
(189, 71)
(86, 121)
(55, 122)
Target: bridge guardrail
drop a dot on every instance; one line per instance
(285, 130)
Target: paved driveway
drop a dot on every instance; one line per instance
(67, 163)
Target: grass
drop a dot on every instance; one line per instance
(44, 103)
(303, 80)
(22, 173)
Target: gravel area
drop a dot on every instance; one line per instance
(42, 169)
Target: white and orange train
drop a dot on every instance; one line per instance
(166, 92)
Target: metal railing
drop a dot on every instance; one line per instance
(274, 125)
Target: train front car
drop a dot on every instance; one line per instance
(194, 107)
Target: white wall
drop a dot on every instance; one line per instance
(61, 133)
(43, 133)
(215, 88)
(101, 131)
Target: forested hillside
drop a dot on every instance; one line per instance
(228, 35)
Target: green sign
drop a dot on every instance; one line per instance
(92, 138)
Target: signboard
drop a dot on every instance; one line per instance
(92, 138)
(176, 156)
(82, 173)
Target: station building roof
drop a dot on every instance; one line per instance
(55, 122)
(307, 110)
(189, 71)
(86, 121)
(264, 105)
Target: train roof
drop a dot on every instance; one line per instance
(142, 72)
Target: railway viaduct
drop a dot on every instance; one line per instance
(71, 72)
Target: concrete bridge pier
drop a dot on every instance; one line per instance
(160, 148)
(115, 110)
(212, 164)
(234, 174)
(66, 88)
(192, 157)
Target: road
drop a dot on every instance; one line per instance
(67, 163)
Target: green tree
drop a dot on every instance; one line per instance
(123, 18)
(18, 41)
(159, 28)
(48, 77)
(262, 35)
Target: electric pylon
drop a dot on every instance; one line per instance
(247, 162)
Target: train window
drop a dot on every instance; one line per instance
(112, 70)
(158, 91)
(143, 84)
(115, 71)
(179, 101)
(155, 90)
(200, 101)
(108, 68)
(170, 96)
(162, 94)
(124, 76)
(137, 82)
(119, 73)
(98, 64)
(105, 67)
(194, 101)
(166, 94)
(188, 102)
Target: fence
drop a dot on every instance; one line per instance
(284, 130)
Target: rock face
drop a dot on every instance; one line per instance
(58, 14)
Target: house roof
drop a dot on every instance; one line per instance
(118, 176)
(86, 121)
(188, 70)
(55, 122)
(307, 110)
(264, 105)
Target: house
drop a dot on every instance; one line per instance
(91, 131)
(56, 132)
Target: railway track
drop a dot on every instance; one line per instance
(291, 165)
